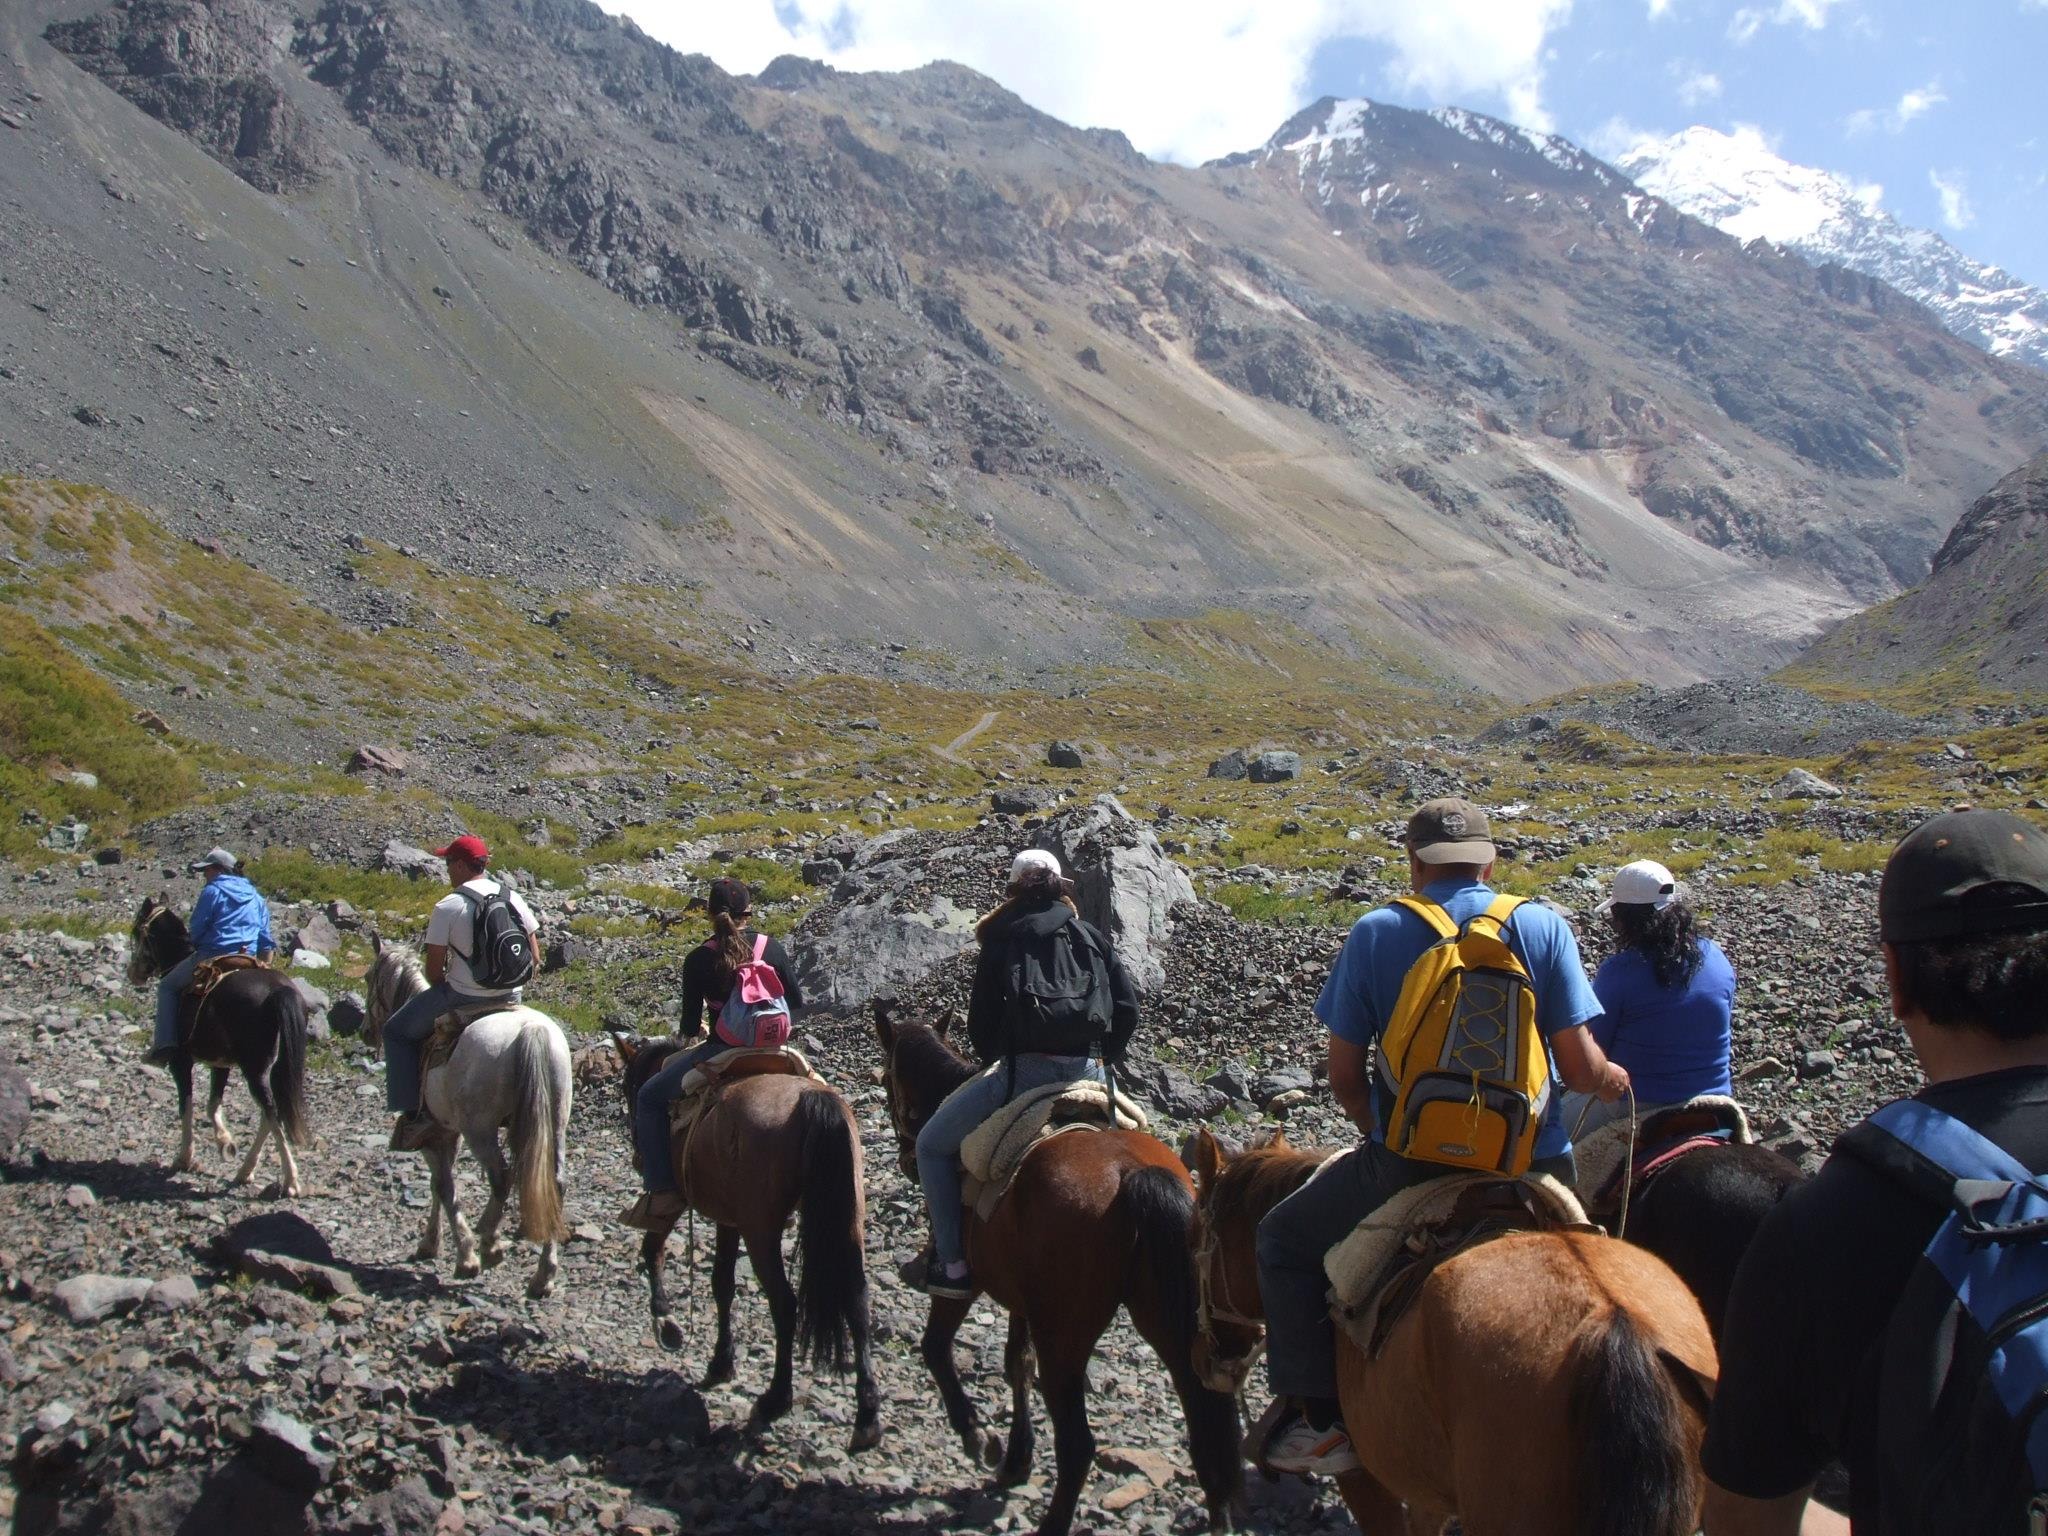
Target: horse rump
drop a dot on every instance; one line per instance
(534, 1150)
(1637, 1471)
(832, 1281)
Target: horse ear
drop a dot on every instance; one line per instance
(376, 942)
(627, 1048)
(1207, 1157)
(946, 1021)
(883, 1009)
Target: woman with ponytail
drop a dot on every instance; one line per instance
(709, 975)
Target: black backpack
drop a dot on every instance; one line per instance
(501, 950)
(1962, 1409)
(1056, 991)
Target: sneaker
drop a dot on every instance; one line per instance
(414, 1130)
(925, 1273)
(1298, 1446)
(654, 1211)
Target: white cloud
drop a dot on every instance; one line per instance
(1186, 81)
(1916, 103)
(1618, 137)
(1660, 8)
(1956, 211)
(1751, 19)
(1701, 85)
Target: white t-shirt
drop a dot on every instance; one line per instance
(451, 925)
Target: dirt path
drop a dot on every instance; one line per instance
(951, 750)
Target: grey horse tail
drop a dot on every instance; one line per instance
(535, 1154)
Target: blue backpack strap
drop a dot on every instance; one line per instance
(1948, 1143)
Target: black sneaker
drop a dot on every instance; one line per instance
(938, 1283)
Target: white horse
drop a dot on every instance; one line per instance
(509, 1069)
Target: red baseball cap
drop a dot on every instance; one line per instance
(469, 847)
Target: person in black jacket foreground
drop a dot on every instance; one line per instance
(1050, 1004)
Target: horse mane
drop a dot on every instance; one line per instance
(923, 1056)
(1256, 1180)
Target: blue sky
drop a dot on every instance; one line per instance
(1937, 101)
(1882, 91)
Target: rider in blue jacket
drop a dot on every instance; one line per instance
(229, 918)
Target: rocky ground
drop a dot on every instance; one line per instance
(150, 1376)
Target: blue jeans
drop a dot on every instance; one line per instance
(650, 1114)
(169, 992)
(1301, 1345)
(938, 1144)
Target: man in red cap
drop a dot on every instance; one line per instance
(451, 953)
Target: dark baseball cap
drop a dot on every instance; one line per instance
(731, 896)
(1934, 884)
(1450, 832)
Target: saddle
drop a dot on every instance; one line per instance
(1378, 1271)
(995, 1149)
(1662, 1137)
(448, 1031)
(701, 1083)
(207, 975)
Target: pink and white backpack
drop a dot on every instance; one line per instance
(756, 1011)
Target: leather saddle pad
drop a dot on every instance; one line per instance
(1377, 1272)
(995, 1150)
(448, 1031)
(702, 1081)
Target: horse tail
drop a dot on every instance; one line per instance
(288, 1068)
(1635, 1473)
(1161, 1214)
(832, 1284)
(534, 1152)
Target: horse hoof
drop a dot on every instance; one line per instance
(719, 1373)
(540, 1287)
(426, 1253)
(468, 1269)
(865, 1437)
(767, 1410)
(987, 1452)
(276, 1189)
(669, 1332)
(492, 1257)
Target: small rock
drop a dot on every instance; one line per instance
(282, 1448)
(1799, 784)
(88, 1298)
(1817, 1064)
(345, 1015)
(1231, 765)
(1761, 1068)
(173, 1293)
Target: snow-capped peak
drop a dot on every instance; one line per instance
(1738, 183)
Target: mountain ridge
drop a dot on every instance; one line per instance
(1737, 183)
(850, 359)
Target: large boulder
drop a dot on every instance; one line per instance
(1125, 884)
(1274, 767)
(414, 863)
(1798, 783)
(1231, 765)
(1063, 754)
(889, 922)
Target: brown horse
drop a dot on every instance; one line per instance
(1543, 1383)
(763, 1149)
(1091, 1223)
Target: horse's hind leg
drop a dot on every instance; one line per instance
(1065, 1387)
(223, 1138)
(764, 1252)
(181, 1074)
(725, 1284)
(1018, 1367)
(257, 1076)
(867, 1398)
(653, 1258)
(941, 1324)
(429, 1247)
(484, 1147)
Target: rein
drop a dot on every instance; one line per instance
(1208, 1314)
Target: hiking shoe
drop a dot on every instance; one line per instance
(413, 1131)
(654, 1211)
(929, 1275)
(1299, 1447)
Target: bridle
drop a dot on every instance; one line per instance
(1225, 1373)
(153, 913)
(906, 1140)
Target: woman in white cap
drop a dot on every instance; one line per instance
(1668, 995)
(1050, 1004)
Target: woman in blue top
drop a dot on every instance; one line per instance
(1667, 995)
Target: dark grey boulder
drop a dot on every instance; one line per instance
(1063, 754)
(1275, 767)
(1231, 765)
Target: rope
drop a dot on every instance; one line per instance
(1628, 1163)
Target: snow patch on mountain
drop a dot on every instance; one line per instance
(1736, 182)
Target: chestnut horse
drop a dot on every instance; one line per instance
(1542, 1383)
(766, 1148)
(1091, 1222)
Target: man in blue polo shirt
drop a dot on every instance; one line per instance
(229, 918)
(1450, 859)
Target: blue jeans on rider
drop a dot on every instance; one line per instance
(405, 1033)
(168, 993)
(938, 1144)
(1301, 1345)
(650, 1114)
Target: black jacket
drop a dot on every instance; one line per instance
(988, 1016)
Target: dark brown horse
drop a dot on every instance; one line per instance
(253, 1019)
(766, 1148)
(1542, 1383)
(1091, 1223)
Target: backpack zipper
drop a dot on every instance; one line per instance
(2016, 1322)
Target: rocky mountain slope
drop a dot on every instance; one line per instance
(1979, 621)
(898, 360)
(1737, 183)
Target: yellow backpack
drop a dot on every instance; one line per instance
(1462, 1055)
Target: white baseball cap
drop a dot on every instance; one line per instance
(1034, 861)
(1645, 883)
